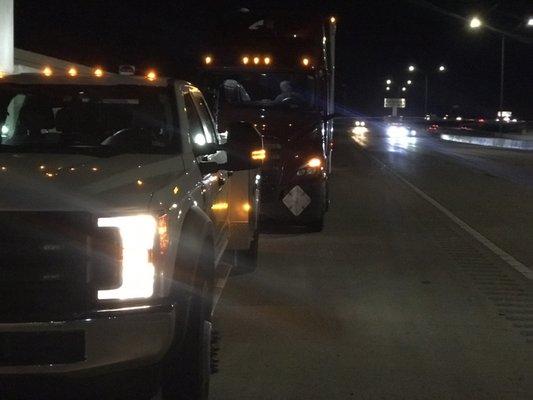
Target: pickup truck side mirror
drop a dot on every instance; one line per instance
(244, 147)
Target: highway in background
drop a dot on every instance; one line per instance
(418, 288)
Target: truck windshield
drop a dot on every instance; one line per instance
(64, 118)
(255, 89)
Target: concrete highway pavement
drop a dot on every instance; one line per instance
(394, 299)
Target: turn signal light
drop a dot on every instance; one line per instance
(259, 154)
(2, 74)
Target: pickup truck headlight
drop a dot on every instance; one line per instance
(138, 234)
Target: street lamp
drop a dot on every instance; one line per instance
(475, 23)
(441, 68)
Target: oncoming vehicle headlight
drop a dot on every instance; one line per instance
(313, 166)
(397, 131)
(138, 234)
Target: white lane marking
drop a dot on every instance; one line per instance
(509, 259)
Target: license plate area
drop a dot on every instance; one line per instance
(41, 348)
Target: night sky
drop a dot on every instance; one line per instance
(376, 40)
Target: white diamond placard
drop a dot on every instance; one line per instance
(297, 200)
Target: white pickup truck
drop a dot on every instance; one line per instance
(116, 206)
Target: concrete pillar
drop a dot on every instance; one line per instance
(7, 36)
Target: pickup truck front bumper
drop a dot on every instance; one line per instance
(104, 341)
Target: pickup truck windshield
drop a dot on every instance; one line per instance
(64, 118)
(255, 89)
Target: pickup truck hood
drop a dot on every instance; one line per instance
(72, 182)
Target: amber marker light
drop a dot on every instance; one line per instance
(246, 60)
(305, 61)
(219, 206)
(314, 162)
(151, 75)
(47, 71)
(73, 72)
(98, 72)
(259, 154)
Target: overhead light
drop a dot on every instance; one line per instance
(387, 88)
(404, 89)
(411, 68)
(475, 23)
(409, 82)
(442, 68)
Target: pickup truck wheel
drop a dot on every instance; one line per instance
(245, 261)
(187, 372)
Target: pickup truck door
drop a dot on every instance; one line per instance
(215, 184)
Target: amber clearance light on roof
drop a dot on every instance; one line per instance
(72, 72)
(98, 72)
(305, 61)
(47, 71)
(151, 75)
(208, 60)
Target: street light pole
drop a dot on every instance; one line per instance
(426, 96)
(502, 83)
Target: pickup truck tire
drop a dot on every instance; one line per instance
(188, 367)
(245, 261)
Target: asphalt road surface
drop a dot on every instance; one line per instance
(419, 287)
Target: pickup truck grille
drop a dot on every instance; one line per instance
(47, 265)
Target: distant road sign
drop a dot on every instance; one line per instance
(395, 103)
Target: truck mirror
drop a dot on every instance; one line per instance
(244, 147)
